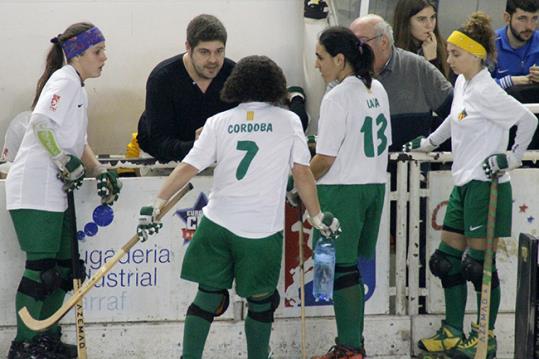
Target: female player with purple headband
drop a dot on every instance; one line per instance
(52, 159)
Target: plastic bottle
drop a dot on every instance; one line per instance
(324, 269)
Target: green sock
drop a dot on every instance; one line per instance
(196, 329)
(54, 301)
(495, 293)
(455, 296)
(33, 305)
(258, 332)
(349, 307)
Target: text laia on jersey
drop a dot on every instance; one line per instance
(373, 103)
(250, 127)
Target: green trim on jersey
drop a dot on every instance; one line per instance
(467, 209)
(359, 210)
(216, 256)
(43, 231)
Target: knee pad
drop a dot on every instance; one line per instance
(49, 275)
(440, 266)
(349, 278)
(472, 270)
(209, 316)
(267, 315)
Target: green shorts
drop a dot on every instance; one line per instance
(216, 256)
(359, 210)
(467, 210)
(43, 231)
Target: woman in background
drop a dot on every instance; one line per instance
(415, 26)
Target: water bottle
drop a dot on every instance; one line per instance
(324, 269)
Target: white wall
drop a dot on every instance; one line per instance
(139, 33)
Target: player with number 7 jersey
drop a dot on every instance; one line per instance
(253, 146)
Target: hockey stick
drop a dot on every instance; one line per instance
(79, 313)
(41, 325)
(302, 280)
(484, 309)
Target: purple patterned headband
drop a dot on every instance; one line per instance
(79, 43)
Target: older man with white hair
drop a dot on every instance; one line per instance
(414, 86)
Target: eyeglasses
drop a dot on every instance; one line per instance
(367, 39)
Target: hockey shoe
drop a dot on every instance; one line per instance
(342, 352)
(68, 350)
(52, 344)
(466, 349)
(445, 339)
(315, 9)
(30, 350)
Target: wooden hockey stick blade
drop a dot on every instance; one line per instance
(484, 308)
(41, 325)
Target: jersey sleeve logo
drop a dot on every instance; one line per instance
(54, 102)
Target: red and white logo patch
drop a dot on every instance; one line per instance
(54, 102)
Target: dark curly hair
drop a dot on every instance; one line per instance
(479, 28)
(255, 78)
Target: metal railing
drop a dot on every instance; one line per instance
(407, 197)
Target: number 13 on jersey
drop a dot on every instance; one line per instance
(368, 135)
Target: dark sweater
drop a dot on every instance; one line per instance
(176, 107)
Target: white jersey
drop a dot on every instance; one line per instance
(254, 146)
(32, 181)
(355, 128)
(481, 115)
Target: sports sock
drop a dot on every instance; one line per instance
(349, 307)
(258, 332)
(455, 296)
(33, 305)
(495, 293)
(196, 328)
(54, 301)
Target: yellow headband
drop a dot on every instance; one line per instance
(465, 42)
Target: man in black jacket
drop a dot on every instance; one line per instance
(183, 91)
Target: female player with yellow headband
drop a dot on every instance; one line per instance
(52, 159)
(479, 122)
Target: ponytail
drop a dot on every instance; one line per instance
(363, 66)
(55, 61)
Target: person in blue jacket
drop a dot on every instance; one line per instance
(517, 45)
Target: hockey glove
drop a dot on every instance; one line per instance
(500, 162)
(108, 186)
(292, 196)
(418, 144)
(147, 220)
(327, 224)
(71, 172)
